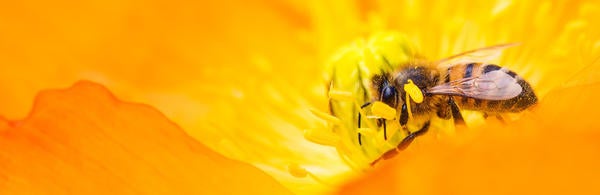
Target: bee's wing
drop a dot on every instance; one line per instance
(485, 54)
(493, 85)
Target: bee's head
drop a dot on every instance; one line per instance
(386, 91)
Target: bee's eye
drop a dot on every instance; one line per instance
(389, 95)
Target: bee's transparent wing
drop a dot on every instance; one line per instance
(493, 85)
(485, 54)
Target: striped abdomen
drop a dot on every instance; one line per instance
(516, 104)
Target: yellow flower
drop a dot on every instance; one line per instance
(247, 79)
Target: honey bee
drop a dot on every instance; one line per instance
(421, 89)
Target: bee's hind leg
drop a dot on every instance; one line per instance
(382, 122)
(448, 110)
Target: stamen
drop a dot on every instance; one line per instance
(341, 95)
(325, 116)
(362, 112)
(382, 110)
(366, 131)
(323, 137)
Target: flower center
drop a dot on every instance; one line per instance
(361, 129)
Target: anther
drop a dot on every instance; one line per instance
(297, 171)
(325, 116)
(322, 137)
(341, 95)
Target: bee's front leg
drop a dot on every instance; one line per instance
(383, 122)
(411, 136)
(359, 121)
(405, 142)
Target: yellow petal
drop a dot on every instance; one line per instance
(83, 140)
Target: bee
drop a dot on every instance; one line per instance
(421, 89)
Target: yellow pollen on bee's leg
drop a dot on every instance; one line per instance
(408, 106)
(413, 92)
(382, 110)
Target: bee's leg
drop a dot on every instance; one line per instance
(497, 115)
(359, 120)
(384, 129)
(411, 136)
(405, 142)
(403, 115)
(458, 119)
(444, 111)
(500, 118)
(404, 118)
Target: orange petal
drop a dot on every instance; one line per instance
(552, 150)
(85, 141)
